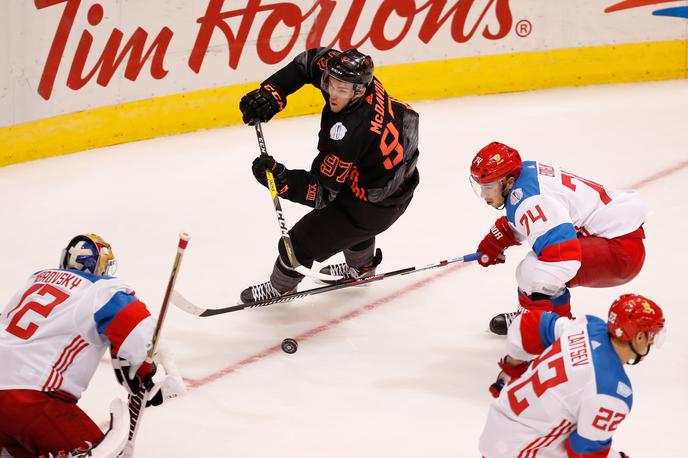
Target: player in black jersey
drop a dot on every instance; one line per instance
(361, 180)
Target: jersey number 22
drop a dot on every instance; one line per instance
(552, 359)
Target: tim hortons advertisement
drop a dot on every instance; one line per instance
(70, 55)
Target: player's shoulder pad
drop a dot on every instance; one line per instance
(610, 376)
(525, 187)
(91, 277)
(108, 286)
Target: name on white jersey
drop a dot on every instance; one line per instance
(578, 349)
(58, 278)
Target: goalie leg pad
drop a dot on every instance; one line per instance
(115, 439)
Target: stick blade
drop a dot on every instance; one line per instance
(183, 303)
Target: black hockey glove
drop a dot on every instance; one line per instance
(262, 103)
(279, 172)
(136, 382)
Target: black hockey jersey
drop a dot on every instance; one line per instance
(366, 152)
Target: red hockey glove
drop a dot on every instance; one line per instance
(509, 371)
(279, 172)
(495, 242)
(262, 104)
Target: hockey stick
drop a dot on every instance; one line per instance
(286, 239)
(183, 303)
(137, 402)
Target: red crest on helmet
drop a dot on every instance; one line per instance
(494, 162)
(633, 313)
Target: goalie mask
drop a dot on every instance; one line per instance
(89, 253)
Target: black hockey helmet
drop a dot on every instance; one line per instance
(350, 66)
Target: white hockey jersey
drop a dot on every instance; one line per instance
(56, 329)
(548, 207)
(571, 399)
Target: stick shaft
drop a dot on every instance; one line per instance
(181, 247)
(137, 402)
(281, 222)
(181, 302)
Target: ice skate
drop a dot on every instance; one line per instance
(348, 272)
(261, 292)
(500, 323)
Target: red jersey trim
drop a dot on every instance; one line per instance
(530, 332)
(124, 322)
(530, 451)
(564, 251)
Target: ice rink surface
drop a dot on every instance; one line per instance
(396, 369)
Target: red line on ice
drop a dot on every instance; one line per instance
(196, 383)
(191, 383)
(659, 175)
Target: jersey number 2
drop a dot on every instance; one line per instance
(42, 309)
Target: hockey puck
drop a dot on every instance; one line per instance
(289, 345)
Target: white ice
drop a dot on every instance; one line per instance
(396, 369)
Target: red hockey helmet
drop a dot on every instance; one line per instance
(495, 162)
(633, 313)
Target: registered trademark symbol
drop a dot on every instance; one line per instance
(523, 28)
